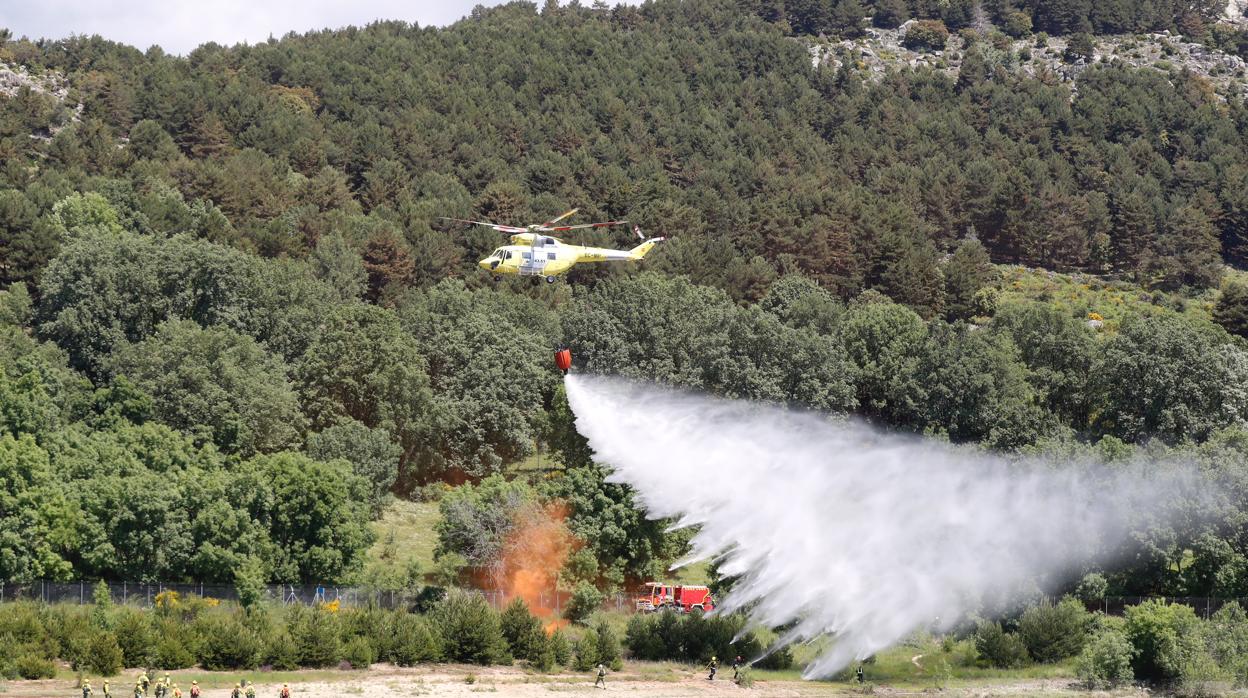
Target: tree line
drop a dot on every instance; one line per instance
(246, 309)
(755, 162)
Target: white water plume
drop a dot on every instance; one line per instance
(846, 531)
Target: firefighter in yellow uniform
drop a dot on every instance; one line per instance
(144, 681)
(86, 689)
(237, 692)
(106, 693)
(177, 692)
(251, 690)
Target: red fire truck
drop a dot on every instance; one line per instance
(657, 596)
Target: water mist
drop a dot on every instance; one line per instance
(842, 530)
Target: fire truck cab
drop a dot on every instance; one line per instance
(657, 596)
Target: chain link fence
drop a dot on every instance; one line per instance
(144, 594)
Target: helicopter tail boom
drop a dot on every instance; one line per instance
(640, 251)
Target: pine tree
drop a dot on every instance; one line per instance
(1231, 310)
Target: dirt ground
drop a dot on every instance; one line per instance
(638, 679)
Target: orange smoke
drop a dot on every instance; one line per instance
(536, 548)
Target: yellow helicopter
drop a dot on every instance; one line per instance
(534, 253)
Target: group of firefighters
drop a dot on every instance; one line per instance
(165, 688)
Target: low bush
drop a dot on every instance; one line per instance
(1106, 660)
(358, 652)
(469, 630)
(998, 648)
(103, 655)
(926, 35)
(1053, 632)
(172, 653)
(522, 630)
(415, 640)
(696, 638)
(585, 652)
(316, 635)
(281, 652)
(32, 666)
(8, 657)
(561, 648)
(134, 636)
(1166, 638)
(608, 647)
(225, 643)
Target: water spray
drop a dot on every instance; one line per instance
(833, 528)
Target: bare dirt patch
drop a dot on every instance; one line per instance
(660, 680)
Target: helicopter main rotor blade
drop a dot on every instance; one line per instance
(583, 225)
(495, 226)
(561, 216)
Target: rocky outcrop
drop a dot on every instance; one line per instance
(14, 78)
(881, 50)
(1236, 11)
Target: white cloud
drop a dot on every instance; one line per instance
(178, 26)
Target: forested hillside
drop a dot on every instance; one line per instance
(230, 299)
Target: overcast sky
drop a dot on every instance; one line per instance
(180, 25)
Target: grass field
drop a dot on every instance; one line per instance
(405, 532)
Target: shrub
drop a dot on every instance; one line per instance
(926, 35)
(585, 652)
(281, 652)
(134, 636)
(315, 632)
(427, 598)
(1166, 638)
(226, 643)
(372, 624)
(8, 657)
(1017, 24)
(103, 656)
(608, 647)
(1106, 660)
(641, 638)
(21, 621)
(543, 658)
(523, 632)
(358, 652)
(172, 653)
(32, 666)
(414, 640)
(1080, 47)
(1052, 633)
(1226, 637)
(560, 647)
(999, 648)
(585, 600)
(469, 629)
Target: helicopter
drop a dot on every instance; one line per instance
(534, 253)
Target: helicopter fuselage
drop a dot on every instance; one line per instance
(533, 254)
